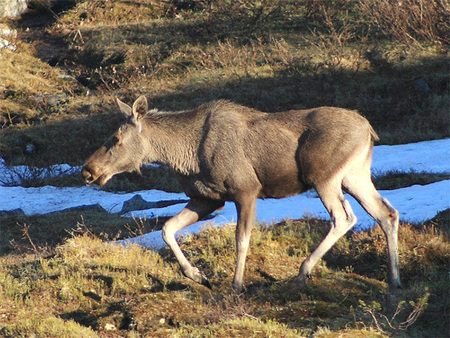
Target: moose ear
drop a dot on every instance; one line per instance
(140, 107)
(124, 108)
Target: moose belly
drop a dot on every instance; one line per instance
(279, 186)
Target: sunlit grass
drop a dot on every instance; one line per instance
(23, 73)
(90, 287)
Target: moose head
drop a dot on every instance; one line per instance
(124, 151)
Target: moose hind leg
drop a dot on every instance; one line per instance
(342, 220)
(194, 211)
(390, 228)
(363, 190)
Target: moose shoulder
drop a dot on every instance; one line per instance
(223, 151)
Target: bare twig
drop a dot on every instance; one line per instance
(25, 230)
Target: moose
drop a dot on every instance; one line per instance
(223, 151)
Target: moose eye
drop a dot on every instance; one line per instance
(115, 140)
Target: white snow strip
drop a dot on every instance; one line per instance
(415, 204)
(50, 199)
(427, 156)
(13, 176)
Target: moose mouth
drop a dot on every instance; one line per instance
(90, 178)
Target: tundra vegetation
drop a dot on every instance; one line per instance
(57, 90)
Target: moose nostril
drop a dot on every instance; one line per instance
(86, 175)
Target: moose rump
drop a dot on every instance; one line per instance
(223, 151)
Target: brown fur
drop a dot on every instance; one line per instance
(223, 151)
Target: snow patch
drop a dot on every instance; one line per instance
(415, 204)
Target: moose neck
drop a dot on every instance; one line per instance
(173, 141)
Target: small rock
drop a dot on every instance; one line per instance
(30, 148)
(12, 8)
(51, 99)
(7, 31)
(136, 203)
(7, 44)
(57, 99)
(110, 327)
(90, 207)
(68, 78)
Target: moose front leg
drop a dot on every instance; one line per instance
(246, 217)
(194, 211)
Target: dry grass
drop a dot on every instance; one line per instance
(92, 288)
(23, 73)
(25, 84)
(396, 180)
(114, 13)
(18, 229)
(55, 283)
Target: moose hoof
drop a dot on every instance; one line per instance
(205, 282)
(302, 278)
(200, 278)
(395, 286)
(236, 289)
